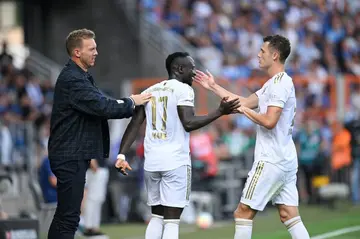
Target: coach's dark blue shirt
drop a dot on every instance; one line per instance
(78, 127)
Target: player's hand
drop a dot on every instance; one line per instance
(206, 80)
(229, 107)
(122, 165)
(94, 165)
(241, 109)
(141, 99)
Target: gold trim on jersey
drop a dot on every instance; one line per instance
(254, 180)
(164, 101)
(153, 112)
(159, 135)
(188, 182)
(278, 78)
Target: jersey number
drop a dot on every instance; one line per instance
(164, 101)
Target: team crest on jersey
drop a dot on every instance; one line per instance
(191, 94)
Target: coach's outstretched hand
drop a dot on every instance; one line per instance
(141, 99)
(229, 107)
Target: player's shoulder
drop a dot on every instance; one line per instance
(282, 79)
(180, 87)
(153, 87)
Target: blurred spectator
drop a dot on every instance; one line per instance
(201, 146)
(309, 149)
(341, 153)
(354, 128)
(5, 58)
(47, 182)
(5, 141)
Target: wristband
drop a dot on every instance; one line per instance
(121, 157)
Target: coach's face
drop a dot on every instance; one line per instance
(87, 53)
(265, 56)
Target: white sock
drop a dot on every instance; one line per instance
(243, 228)
(154, 229)
(171, 229)
(296, 228)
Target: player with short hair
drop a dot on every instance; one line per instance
(170, 116)
(273, 175)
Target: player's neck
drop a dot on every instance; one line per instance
(79, 63)
(275, 69)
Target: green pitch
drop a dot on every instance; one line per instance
(267, 225)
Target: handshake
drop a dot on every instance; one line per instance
(229, 106)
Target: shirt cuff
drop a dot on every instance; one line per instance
(133, 102)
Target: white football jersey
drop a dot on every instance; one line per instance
(166, 141)
(276, 145)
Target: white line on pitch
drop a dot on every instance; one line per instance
(337, 232)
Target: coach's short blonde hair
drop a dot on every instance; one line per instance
(74, 39)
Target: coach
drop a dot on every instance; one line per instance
(79, 130)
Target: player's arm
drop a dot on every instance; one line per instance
(191, 122)
(129, 137)
(208, 82)
(278, 95)
(249, 102)
(267, 120)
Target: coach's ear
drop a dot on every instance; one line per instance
(77, 52)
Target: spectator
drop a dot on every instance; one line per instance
(341, 153)
(5, 58)
(47, 182)
(309, 140)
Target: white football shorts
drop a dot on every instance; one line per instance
(267, 182)
(169, 188)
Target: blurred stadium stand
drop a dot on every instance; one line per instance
(134, 38)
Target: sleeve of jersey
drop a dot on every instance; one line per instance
(258, 92)
(278, 95)
(186, 97)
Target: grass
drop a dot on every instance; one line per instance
(267, 225)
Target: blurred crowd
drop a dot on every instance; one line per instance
(324, 34)
(227, 35)
(23, 99)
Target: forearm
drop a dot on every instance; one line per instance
(257, 118)
(196, 122)
(222, 92)
(132, 130)
(129, 137)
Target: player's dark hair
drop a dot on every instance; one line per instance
(170, 59)
(280, 44)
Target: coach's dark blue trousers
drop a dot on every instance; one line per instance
(70, 191)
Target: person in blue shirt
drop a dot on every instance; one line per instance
(47, 182)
